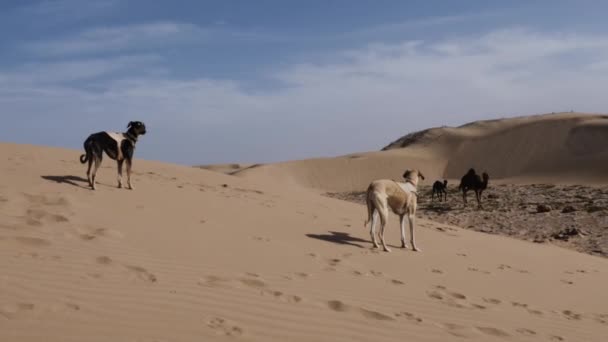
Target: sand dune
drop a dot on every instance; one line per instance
(196, 255)
(568, 148)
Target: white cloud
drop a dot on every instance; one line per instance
(45, 73)
(155, 35)
(108, 39)
(323, 108)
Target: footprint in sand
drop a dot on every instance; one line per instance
(47, 200)
(526, 332)
(283, 297)
(142, 273)
(89, 234)
(255, 283)
(11, 311)
(104, 260)
(339, 306)
(224, 327)
(214, 281)
(334, 262)
(572, 315)
(492, 301)
(397, 282)
(525, 306)
(32, 241)
(376, 273)
(601, 318)
(65, 307)
(36, 217)
(491, 331)
(409, 316)
(261, 239)
(556, 338)
(474, 269)
(457, 330)
(453, 299)
(375, 315)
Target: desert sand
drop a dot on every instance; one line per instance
(261, 254)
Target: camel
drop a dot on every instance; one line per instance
(472, 181)
(440, 188)
(400, 197)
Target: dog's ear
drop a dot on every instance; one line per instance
(420, 175)
(130, 124)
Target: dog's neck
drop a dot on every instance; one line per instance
(405, 188)
(131, 136)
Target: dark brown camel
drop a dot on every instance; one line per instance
(440, 188)
(472, 181)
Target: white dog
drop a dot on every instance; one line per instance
(400, 197)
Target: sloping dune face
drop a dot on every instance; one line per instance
(194, 255)
(553, 148)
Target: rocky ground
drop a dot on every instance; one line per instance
(572, 216)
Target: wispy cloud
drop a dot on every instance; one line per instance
(51, 12)
(145, 36)
(112, 39)
(49, 73)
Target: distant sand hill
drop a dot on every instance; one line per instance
(553, 148)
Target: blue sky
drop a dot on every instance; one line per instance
(263, 81)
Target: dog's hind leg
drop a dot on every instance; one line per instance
(372, 229)
(89, 171)
(411, 218)
(383, 218)
(402, 226)
(119, 165)
(98, 159)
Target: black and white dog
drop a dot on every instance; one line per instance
(118, 146)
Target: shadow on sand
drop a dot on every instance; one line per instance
(72, 180)
(339, 238)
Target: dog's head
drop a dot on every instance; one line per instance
(137, 127)
(413, 175)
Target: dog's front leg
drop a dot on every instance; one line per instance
(411, 218)
(402, 224)
(119, 164)
(129, 164)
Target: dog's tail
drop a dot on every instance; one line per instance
(84, 158)
(370, 206)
